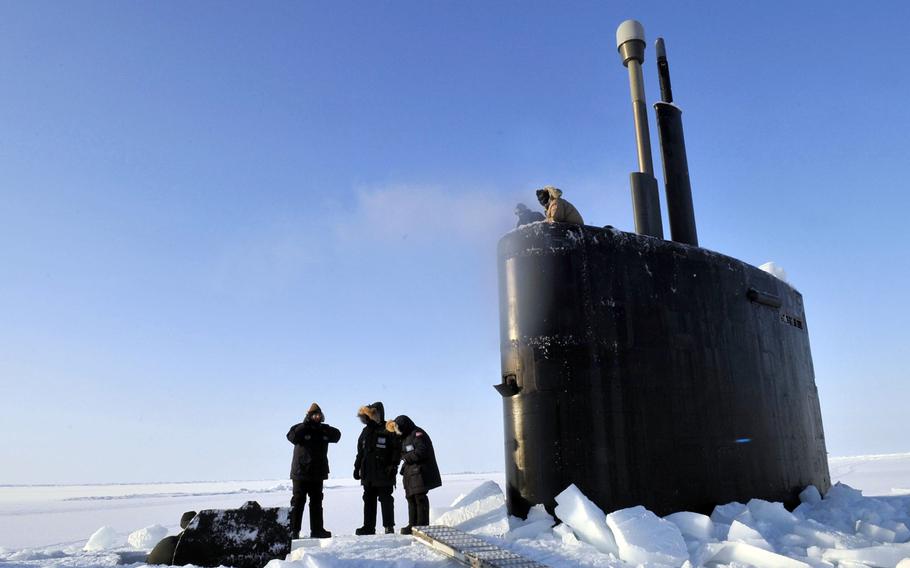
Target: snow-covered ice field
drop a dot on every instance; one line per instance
(50, 525)
(56, 520)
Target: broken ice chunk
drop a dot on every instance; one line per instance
(843, 492)
(436, 512)
(901, 532)
(875, 532)
(103, 539)
(742, 553)
(693, 525)
(145, 539)
(726, 513)
(530, 529)
(586, 519)
(883, 556)
(743, 533)
(565, 533)
(481, 511)
(824, 536)
(772, 513)
(537, 523)
(793, 540)
(810, 495)
(539, 513)
(643, 537)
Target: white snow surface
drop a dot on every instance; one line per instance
(58, 526)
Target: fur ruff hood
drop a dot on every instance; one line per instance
(314, 409)
(375, 412)
(402, 425)
(555, 192)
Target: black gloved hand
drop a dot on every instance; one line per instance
(357, 474)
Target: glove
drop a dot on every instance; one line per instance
(357, 474)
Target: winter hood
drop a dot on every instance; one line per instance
(555, 192)
(375, 412)
(402, 425)
(314, 409)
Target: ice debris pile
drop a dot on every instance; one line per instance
(843, 529)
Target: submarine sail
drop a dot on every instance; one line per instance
(652, 372)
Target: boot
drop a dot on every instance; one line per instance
(296, 521)
(363, 531)
(316, 528)
(390, 530)
(406, 530)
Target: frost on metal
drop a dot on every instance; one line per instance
(247, 537)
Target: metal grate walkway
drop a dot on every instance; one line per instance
(469, 549)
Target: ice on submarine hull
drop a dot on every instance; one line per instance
(649, 372)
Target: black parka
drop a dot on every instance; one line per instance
(378, 451)
(419, 472)
(311, 449)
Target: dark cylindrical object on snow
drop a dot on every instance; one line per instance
(651, 373)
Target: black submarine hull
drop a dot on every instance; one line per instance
(649, 372)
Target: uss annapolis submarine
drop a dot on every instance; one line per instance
(648, 371)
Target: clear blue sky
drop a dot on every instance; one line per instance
(212, 214)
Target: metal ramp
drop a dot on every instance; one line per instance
(469, 549)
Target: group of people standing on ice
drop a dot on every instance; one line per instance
(382, 446)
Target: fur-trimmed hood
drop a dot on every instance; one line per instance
(402, 425)
(555, 192)
(550, 192)
(314, 409)
(558, 210)
(375, 412)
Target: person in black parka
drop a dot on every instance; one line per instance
(309, 468)
(376, 465)
(419, 472)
